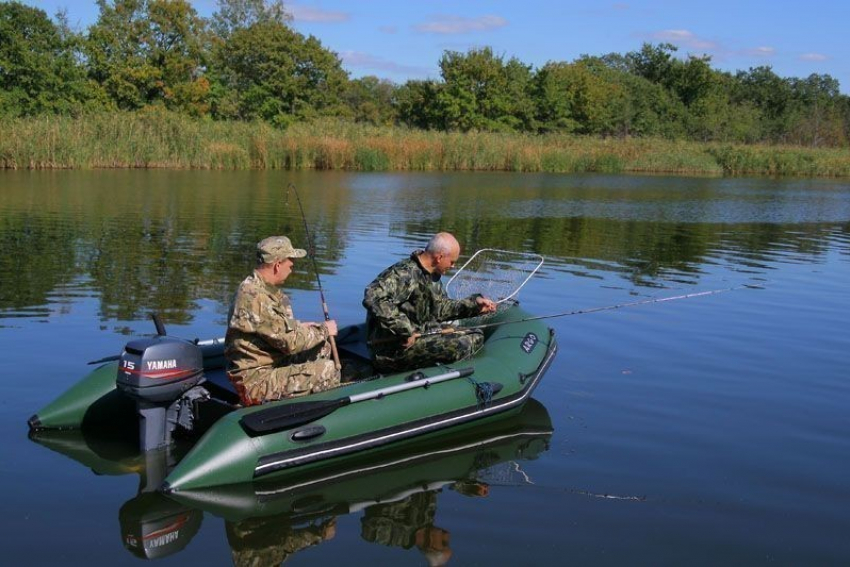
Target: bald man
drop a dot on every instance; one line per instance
(407, 300)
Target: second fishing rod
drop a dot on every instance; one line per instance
(461, 330)
(311, 252)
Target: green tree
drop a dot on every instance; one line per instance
(274, 73)
(714, 117)
(552, 95)
(233, 15)
(577, 97)
(150, 51)
(648, 109)
(371, 100)
(416, 103)
(694, 79)
(770, 94)
(818, 119)
(654, 63)
(178, 49)
(483, 92)
(635, 105)
(39, 70)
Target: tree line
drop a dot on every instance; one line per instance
(246, 63)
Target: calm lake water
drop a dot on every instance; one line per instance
(705, 431)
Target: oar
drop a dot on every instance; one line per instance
(452, 330)
(298, 413)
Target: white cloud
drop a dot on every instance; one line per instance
(762, 51)
(310, 14)
(813, 57)
(685, 38)
(367, 61)
(445, 24)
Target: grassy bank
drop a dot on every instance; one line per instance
(156, 138)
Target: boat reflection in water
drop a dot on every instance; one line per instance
(396, 493)
(152, 525)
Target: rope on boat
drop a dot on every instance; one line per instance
(483, 392)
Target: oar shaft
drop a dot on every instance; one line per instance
(277, 418)
(421, 383)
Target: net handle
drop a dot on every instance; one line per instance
(527, 255)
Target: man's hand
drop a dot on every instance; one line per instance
(485, 305)
(331, 325)
(410, 340)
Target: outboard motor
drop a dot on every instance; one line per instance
(163, 374)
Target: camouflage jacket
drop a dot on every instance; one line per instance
(262, 330)
(271, 541)
(404, 299)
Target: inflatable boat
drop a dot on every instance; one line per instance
(168, 388)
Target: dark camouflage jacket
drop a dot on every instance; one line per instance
(262, 330)
(396, 523)
(405, 299)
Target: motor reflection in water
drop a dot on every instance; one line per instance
(396, 493)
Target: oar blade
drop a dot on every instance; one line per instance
(283, 417)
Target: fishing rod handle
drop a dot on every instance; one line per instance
(335, 353)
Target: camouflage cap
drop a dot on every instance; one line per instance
(277, 248)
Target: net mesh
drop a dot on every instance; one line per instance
(509, 473)
(495, 274)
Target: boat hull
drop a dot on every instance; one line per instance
(464, 457)
(513, 360)
(364, 418)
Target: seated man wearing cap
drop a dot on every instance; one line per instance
(270, 354)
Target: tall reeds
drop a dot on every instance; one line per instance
(156, 138)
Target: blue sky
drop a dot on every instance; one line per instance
(403, 39)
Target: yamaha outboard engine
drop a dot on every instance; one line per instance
(163, 375)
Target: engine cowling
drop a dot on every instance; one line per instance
(163, 375)
(159, 369)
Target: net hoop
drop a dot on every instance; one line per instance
(494, 273)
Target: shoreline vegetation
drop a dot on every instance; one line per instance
(151, 84)
(158, 138)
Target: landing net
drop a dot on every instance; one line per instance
(495, 274)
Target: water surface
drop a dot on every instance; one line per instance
(711, 430)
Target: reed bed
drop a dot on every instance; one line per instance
(155, 138)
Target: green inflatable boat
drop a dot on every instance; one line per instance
(168, 389)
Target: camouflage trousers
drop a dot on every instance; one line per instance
(313, 371)
(428, 351)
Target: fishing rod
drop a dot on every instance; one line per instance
(312, 254)
(453, 330)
